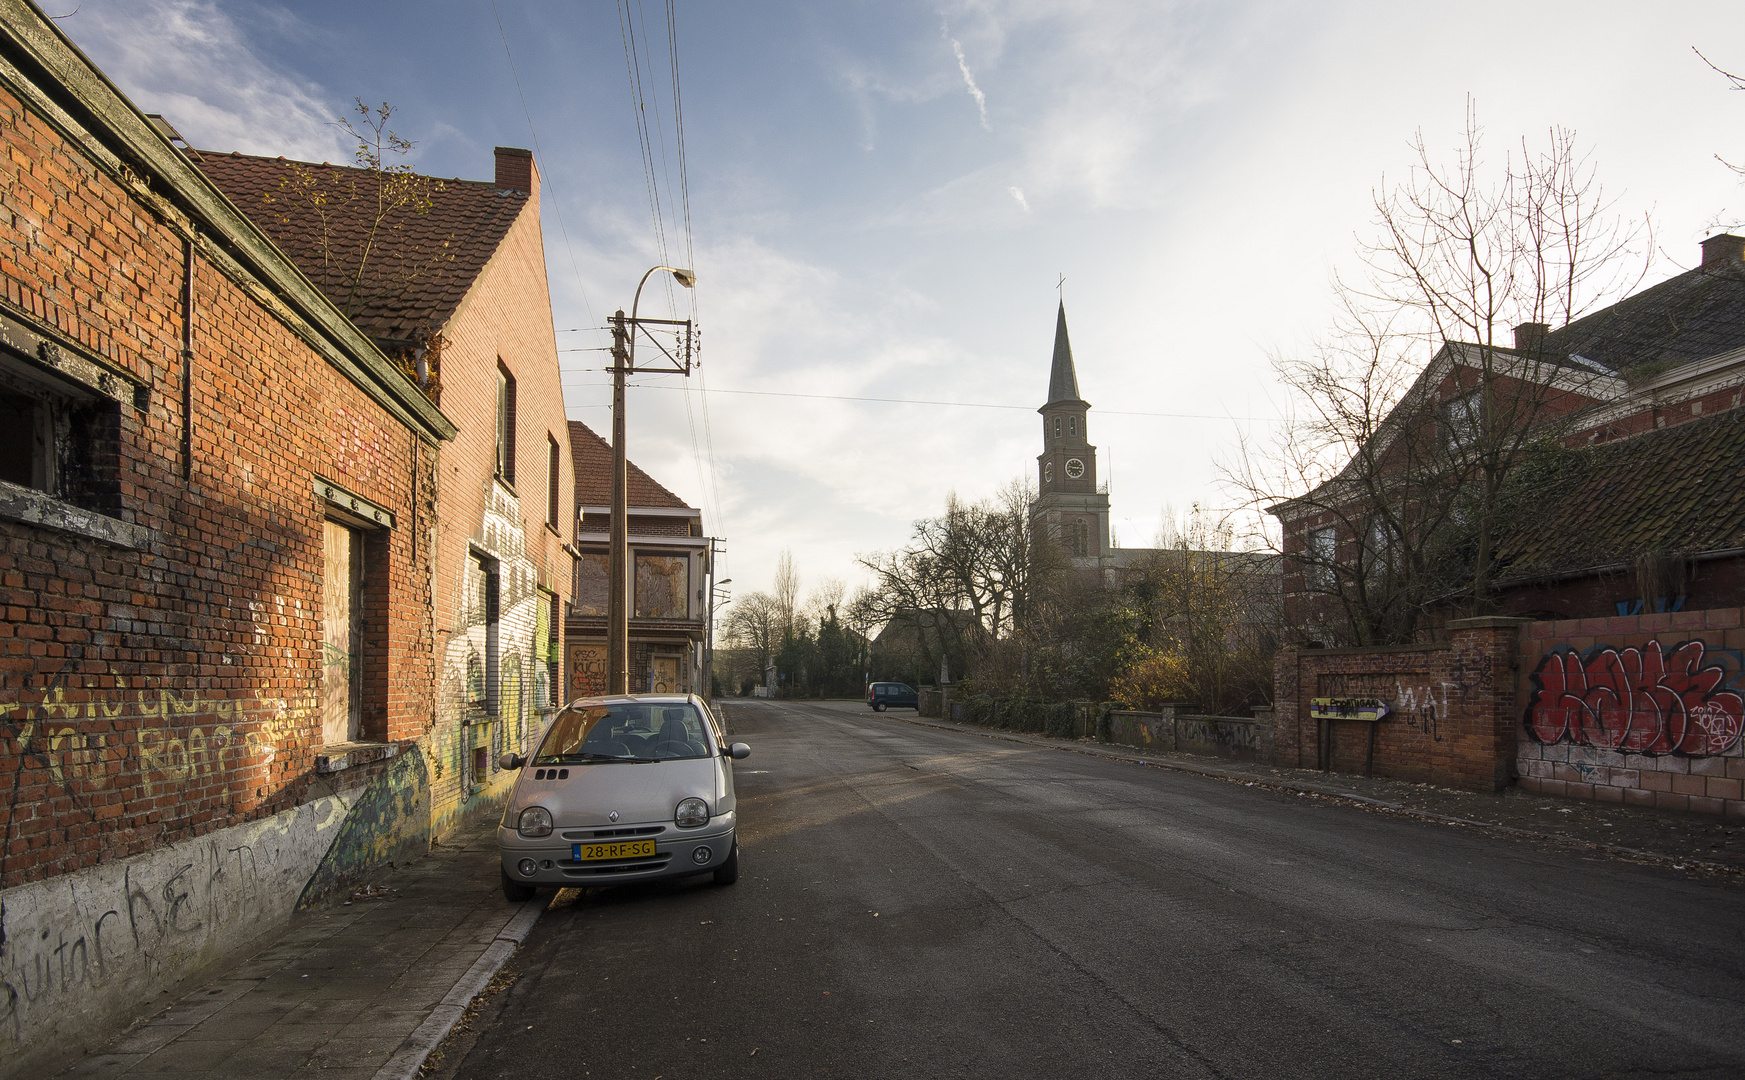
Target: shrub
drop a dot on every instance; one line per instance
(1154, 678)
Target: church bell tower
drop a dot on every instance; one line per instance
(1069, 508)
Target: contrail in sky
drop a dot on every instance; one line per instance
(970, 81)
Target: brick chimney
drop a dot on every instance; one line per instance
(1723, 248)
(1530, 336)
(516, 171)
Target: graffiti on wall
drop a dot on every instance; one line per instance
(1680, 699)
(1412, 698)
(389, 821)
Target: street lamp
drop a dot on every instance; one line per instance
(617, 605)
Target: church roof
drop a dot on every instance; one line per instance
(1063, 381)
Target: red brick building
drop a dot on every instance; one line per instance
(454, 288)
(194, 439)
(672, 565)
(1635, 513)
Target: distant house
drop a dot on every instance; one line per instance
(457, 295)
(1645, 507)
(671, 568)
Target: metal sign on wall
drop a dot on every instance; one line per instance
(1347, 708)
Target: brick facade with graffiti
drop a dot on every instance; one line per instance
(192, 439)
(1448, 720)
(1645, 710)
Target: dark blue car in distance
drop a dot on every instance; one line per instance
(881, 694)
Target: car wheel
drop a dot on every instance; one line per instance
(517, 892)
(878, 706)
(728, 872)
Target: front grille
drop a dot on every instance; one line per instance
(625, 866)
(607, 834)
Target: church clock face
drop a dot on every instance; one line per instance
(1075, 468)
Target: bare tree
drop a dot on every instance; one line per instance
(1469, 269)
(964, 580)
(756, 626)
(786, 595)
(379, 191)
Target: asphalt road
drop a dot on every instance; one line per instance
(920, 903)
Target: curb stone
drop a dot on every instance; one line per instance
(1674, 862)
(407, 1060)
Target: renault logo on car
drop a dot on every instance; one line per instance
(613, 816)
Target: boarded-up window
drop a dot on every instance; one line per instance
(341, 608)
(663, 675)
(662, 586)
(593, 578)
(587, 670)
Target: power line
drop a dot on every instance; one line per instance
(922, 401)
(556, 196)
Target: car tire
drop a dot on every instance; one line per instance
(728, 872)
(517, 892)
(878, 706)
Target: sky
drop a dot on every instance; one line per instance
(883, 197)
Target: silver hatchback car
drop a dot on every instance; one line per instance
(622, 789)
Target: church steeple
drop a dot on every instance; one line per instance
(1068, 505)
(1063, 380)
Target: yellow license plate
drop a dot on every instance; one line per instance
(624, 849)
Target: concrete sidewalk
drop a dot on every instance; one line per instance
(360, 991)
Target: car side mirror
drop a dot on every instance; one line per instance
(738, 751)
(511, 761)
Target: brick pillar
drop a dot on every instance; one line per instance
(1479, 749)
(1286, 737)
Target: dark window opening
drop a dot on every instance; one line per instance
(553, 482)
(505, 425)
(484, 672)
(59, 439)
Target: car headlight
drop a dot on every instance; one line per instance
(535, 821)
(691, 812)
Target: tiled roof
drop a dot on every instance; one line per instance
(1697, 314)
(592, 457)
(1676, 490)
(420, 266)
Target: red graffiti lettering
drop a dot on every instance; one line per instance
(1643, 701)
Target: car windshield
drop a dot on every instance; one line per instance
(631, 732)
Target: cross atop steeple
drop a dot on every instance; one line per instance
(1063, 380)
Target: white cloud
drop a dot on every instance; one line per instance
(191, 61)
(1018, 193)
(969, 81)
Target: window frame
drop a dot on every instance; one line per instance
(554, 484)
(505, 424)
(1318, 564)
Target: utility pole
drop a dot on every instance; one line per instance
(618, 558)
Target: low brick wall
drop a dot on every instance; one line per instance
(1452, 708)
(1238, 738)
(1643, 709)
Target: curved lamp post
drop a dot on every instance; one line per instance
(618, 588)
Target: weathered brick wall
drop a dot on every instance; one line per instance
(506, 319)
(1451, 708)
(1644, 710)
(159, 694)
